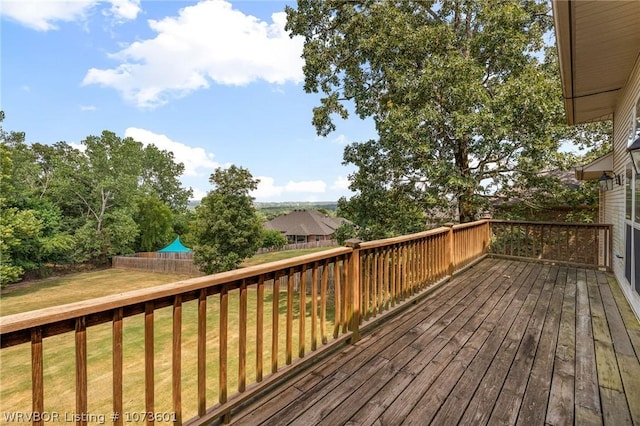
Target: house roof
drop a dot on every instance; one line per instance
(175, 247)
(598, 44)
(305, 222)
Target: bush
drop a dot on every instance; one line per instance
(272, 238)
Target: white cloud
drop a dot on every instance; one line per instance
(268, 189)
(43, 15)
(209, 41)
(87, 108)
(193, 158)
(341, 183)
(80, 147)
(341, 140)
(198, 194)
(125, 9)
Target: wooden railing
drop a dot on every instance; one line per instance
(192, 351)
(579, 244)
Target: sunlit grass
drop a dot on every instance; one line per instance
(74, 288)
(280, 255)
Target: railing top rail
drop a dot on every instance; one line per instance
(403, 238)
(469, 224)
(568, 224)
(24, 320)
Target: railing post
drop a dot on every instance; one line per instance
(353, 305)
(487, 241)
(450, 250)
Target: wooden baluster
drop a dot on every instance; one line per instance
(384, 282)
(242, 339)
(375, 279)
(289, 325)
(346, 294)
(260, 329)
(81, 369)
(149, 360)
(366, 264)
(394, 268)
(275, 318)
(177, 359)
(314, 306)
(222, 361)
(337, 298)
(323, 301)
(302, 317)
(117, 357)
(202, 352)
(353, 282)
(37, 374)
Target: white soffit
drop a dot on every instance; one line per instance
(598, 44)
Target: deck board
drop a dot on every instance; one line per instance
(506, 342)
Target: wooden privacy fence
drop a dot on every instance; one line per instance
(229, 335)
(153, 261)
(156, 264)
(579, 244)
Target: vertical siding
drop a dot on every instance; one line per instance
(614, 200)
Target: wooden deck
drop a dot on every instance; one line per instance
(506, 342)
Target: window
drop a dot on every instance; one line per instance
(637, 121)
(637, 219)
(628, 191)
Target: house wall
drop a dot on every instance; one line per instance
(314, 238)
(614, 201)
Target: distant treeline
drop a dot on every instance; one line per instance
(271, 210)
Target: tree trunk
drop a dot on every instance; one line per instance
(466, 206)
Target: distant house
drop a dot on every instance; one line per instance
(306, 226)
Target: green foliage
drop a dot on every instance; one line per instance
(155, 221)
(456, 91)
(114, 238)
(160, 175)
(59, 204)
(555, 194)
(345, 232)
(272, 238)
(16, 228)
(226, 229)
(382, 214)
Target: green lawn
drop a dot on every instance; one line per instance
(74, 288)
(59, 358)
(279, 255)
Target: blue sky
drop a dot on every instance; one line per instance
(216, 82)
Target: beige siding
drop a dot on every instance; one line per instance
(614, 200)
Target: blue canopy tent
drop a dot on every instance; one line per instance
(175, 247)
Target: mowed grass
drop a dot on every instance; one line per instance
(40, 294)
(280, 255)
(59, 351)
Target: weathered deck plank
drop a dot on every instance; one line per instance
(560, 410)
(477, 358)
(504, 343)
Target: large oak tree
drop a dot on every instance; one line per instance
(461, 97)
